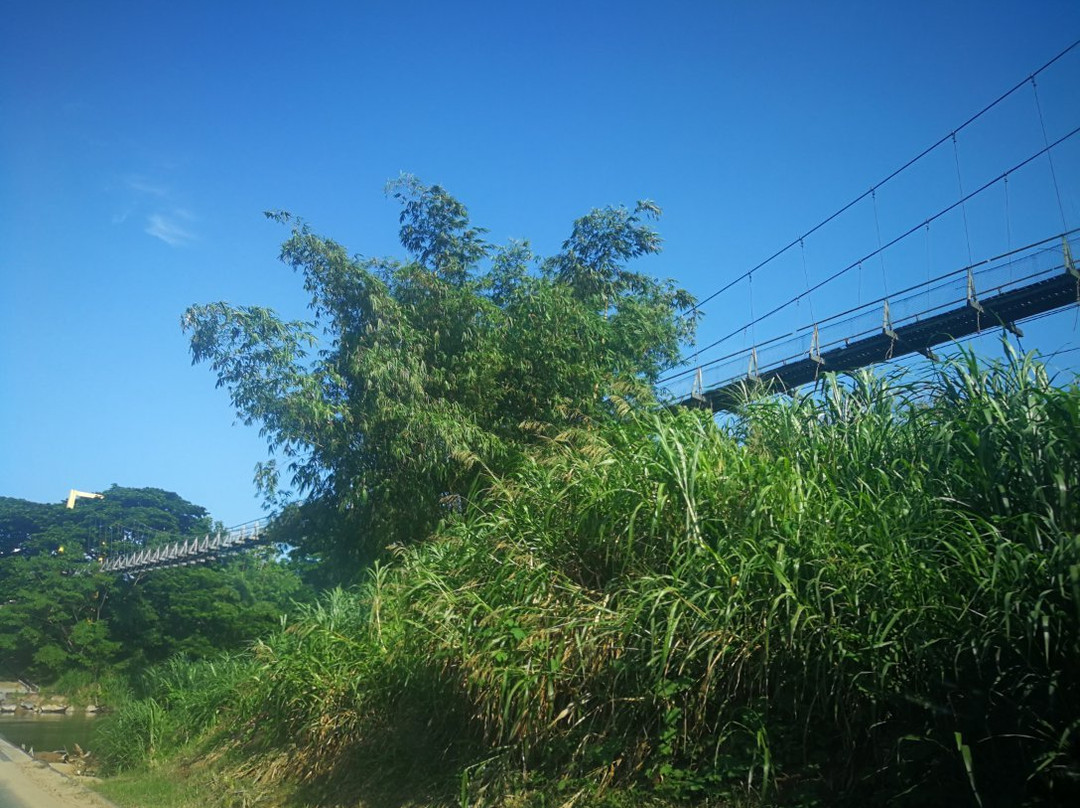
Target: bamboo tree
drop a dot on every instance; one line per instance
(414, 377)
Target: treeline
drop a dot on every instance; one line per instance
(63, 622)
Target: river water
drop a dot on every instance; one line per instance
(48, 733)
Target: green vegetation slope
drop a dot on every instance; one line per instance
(866, 596)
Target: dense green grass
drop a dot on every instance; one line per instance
(864, 595)
(156, 790)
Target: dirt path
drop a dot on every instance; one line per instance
(27, 783)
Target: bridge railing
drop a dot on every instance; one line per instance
(956, 289)
(189, 551)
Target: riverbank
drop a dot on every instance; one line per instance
(15, 699)
(28, 783)
(49, 733)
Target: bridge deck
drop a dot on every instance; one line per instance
(189, 551)
(921, 336)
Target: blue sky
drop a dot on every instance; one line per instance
(140, 143)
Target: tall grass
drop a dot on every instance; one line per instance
(844, 583)
(135, 735)
(870, 593)
(179, 701)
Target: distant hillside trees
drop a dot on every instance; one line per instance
(58, 615)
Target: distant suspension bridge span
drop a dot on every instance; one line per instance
(189, 551)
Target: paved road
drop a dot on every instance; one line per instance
(26, 783)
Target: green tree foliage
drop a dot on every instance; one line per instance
(50, 615)
(149, 508)
(415, 378)
(59, 615)
(197, 612)
(129, 516)
(20, 520)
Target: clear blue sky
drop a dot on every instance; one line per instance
(140, 142)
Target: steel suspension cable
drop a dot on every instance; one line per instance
(854, 311)
(929, 263)
(806, 277)
(879, 184)
(963, 207)
(901, 237)
(1049, 154)
(881, 254)
(1008, 216)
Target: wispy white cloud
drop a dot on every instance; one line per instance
(156, 205)
(143, 186)
(173, 228)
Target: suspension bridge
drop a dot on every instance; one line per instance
(1015, 286)
(189, 551)
(1004, 292)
